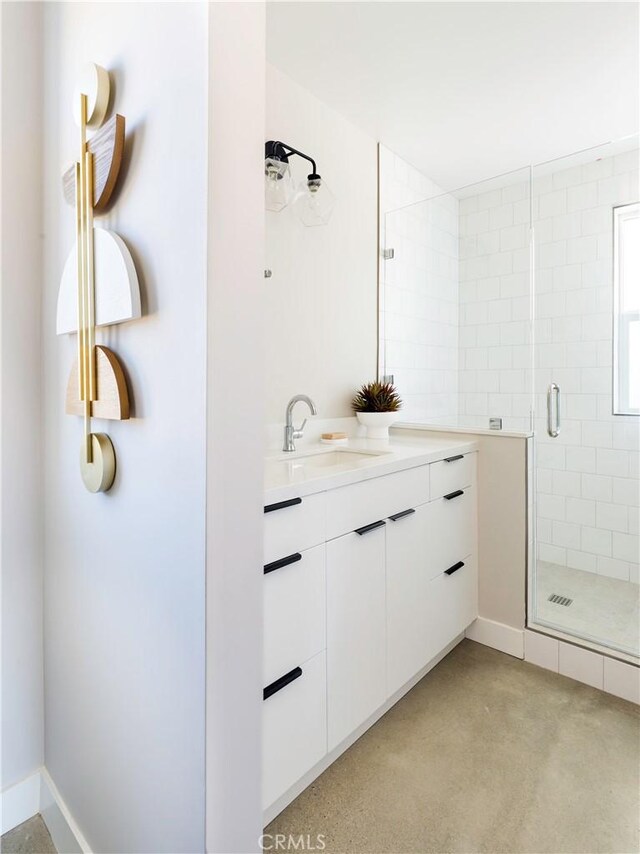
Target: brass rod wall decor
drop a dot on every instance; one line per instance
(79, 240)
(87, 261)
(91, 315)
(101, 280)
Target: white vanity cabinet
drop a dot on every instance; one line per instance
(293, 525)
(452, 594)
(357, 520)
(451, 604)
(294, 599)
(294, 642)
(364, 585)
(407, 584)
(294, 728)
(452, 529)
(356, 632)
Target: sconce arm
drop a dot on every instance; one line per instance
(281, 151)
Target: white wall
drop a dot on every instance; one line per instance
(125, 571)
(20, 393)
(418, 327)
(235, 406)
(502, 529)
(321, 303)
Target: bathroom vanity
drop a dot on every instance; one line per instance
(370, 578)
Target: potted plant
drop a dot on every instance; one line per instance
(376, 406)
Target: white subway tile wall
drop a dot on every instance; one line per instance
(495, 361)
(418, 341)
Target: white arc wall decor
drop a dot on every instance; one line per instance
(117, 293)
(99, 284)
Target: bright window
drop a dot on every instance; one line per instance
(626, 307)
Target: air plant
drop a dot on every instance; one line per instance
(377, 397)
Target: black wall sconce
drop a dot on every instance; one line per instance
(312, 201)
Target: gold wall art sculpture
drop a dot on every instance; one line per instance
(99, 284)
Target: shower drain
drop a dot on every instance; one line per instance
(560, 600)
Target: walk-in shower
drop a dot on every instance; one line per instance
(586, 233)
(515, 303)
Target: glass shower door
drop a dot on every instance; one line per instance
(584, 581)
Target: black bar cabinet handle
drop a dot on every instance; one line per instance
(454, 568)
(454, 494)
(404, 513)
(280, 505)
(283, 561)
(453, 459)
(370, 527)
(281, 683)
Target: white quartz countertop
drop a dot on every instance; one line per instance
(304, 472)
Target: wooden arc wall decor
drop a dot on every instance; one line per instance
(112, 395)
(107, 147)
(99, 285)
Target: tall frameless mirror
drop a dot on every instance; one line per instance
(584, 581)
(455, 298)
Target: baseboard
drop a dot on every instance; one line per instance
(498, 636)
(291, 794)
(39, 794)
(66, 835)
(20, 802)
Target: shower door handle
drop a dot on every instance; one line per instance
(553, 412)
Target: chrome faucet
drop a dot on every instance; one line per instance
(291, 432)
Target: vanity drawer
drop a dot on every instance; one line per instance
(454, 472)
(293, 526)
(294, 728)
(355, 506)
(294, 611)
(452, 529)
(452, 604)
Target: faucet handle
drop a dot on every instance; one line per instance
(298, 431)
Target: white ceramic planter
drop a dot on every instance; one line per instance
(377, 423)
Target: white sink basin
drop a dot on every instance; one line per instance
(335, 458)
(294, 469)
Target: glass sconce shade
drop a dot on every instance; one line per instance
(313, 202)
(278, 184)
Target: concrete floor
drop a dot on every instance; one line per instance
(31, 837)
(486, 754)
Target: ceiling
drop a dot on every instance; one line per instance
(465, 91)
